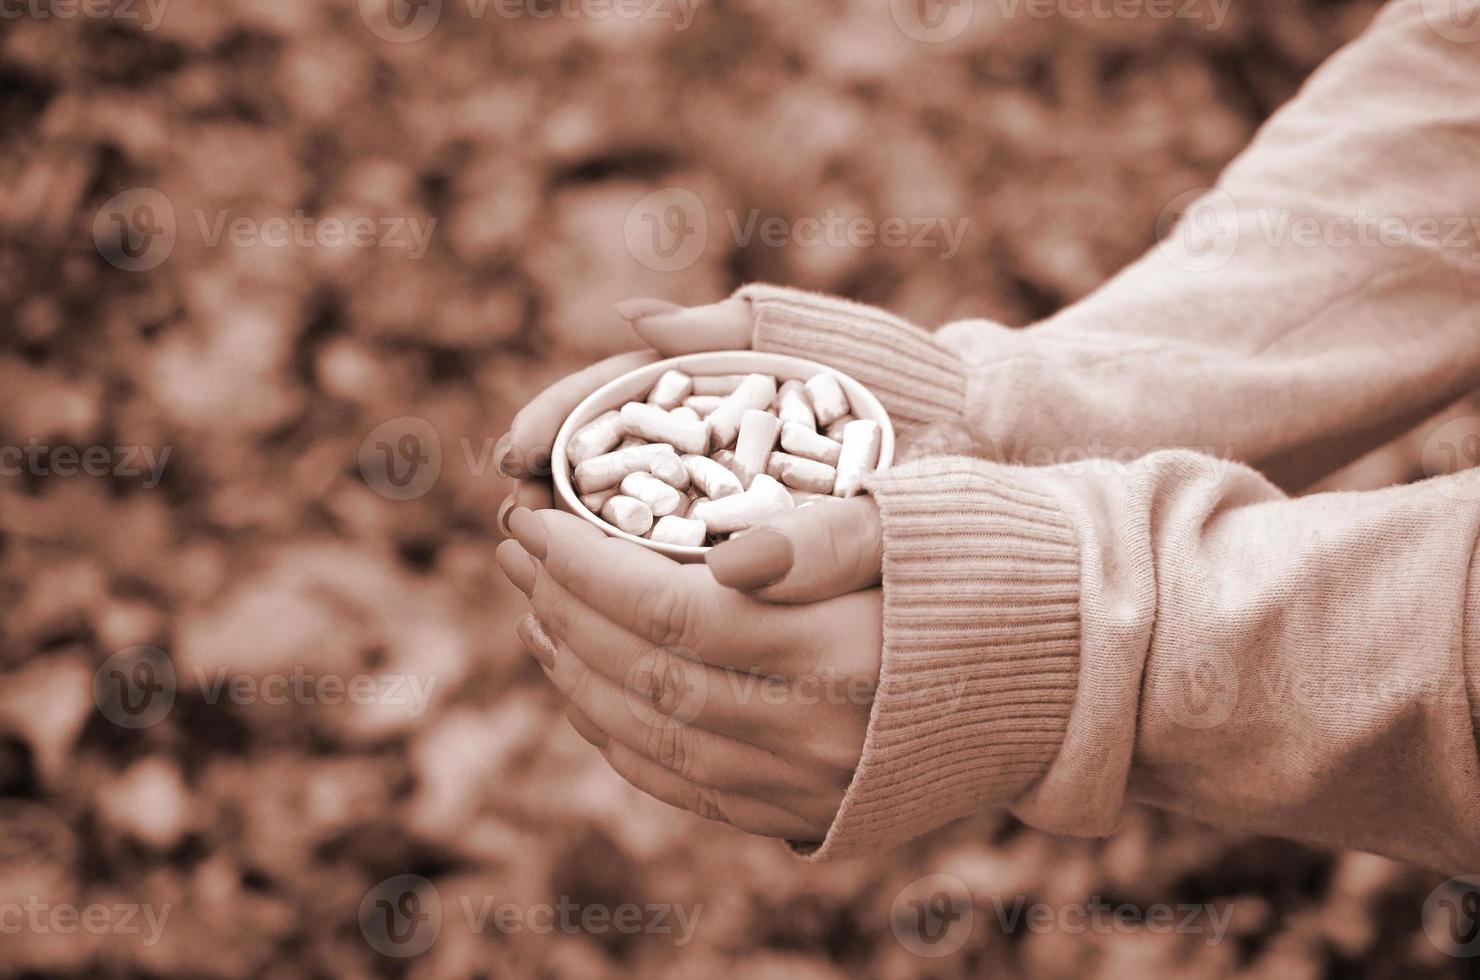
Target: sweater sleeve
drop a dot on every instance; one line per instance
(1321, 300)
(1062, 640)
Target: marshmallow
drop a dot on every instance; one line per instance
(794, 406)
(661, 499)
(862, 442)
(758, 432)
(654, 424)
(628, 514)
(595, 438)
(671, 389)
(800, 473)
(606, 471)
(802, 440)
(681, 531)
(828, 401)
(713, 479)
(766, 498)
(755, 392)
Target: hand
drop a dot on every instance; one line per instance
(741, 710)
(524, 453)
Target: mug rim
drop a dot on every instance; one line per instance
(784, 366)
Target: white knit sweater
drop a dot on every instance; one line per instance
(1171, 628)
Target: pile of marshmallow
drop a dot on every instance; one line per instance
(698, 461)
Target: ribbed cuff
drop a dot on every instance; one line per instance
(917, 379)
(981, 650)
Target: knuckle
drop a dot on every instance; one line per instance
(707, 803)
(663, 614)
(554, 607)
(668, 747)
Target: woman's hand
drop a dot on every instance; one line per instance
(746, 711)
(524, 453)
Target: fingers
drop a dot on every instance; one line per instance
(529, 494)
(671, 681)
(751, 816)
(726, 325)
(525, 450)
(827, 549)
(667, 604)
(651, 715)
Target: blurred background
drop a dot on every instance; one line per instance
(275, 276)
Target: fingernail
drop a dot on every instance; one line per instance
(529, 531)
(536, 641)
(636, 309)
(502, 450)
(759, 558)
(517, 565)
(585, 727)
(504, 510)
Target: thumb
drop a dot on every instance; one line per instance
(823, 550)
(673, 330)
